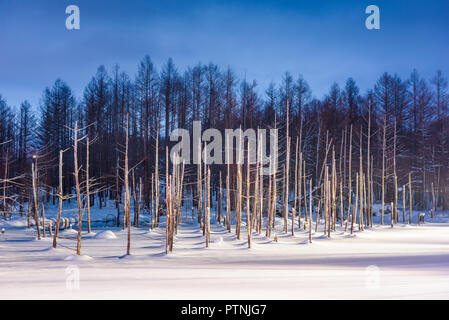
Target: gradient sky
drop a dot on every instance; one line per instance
(325, 41)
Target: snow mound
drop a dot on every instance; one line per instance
(107, 234)
(218, 241)
(16, 223)
(46, 238)
(75, 257)
(70, 231)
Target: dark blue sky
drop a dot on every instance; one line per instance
(325, 41)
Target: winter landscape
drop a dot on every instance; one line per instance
(406, 262)
(193, 181)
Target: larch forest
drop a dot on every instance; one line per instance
(340, 155)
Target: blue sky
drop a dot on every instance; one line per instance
(325, 41)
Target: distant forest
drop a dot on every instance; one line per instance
(407, 121)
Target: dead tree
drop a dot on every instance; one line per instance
(156, 177)
(410, 197)
(87, 185)
(248, 211)
(219, 199)
(117, 191)
(384, 149)
(77, 185)
(207, 222)
(349, 179)
(310, 208)
(126, 210)
(60, 200)
(35, 197)
(296, 190)
(5, 180)
(200, 188)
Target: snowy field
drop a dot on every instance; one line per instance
(404, 262)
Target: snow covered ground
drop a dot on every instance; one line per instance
(410, 262)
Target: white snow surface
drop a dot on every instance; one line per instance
(106, 234)
(404, 262)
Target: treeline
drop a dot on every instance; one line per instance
(407, 121)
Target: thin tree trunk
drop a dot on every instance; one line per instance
(219, 200)
(127, 211)
(349, 180)
(156, 177)
(248, 211)
(77, 187)
(60, 198)
(310, 208)
(296, 190)
(87, 185)
(117, 202)
(383, 169)
(287, 182)
(36, 201)
(410, 197)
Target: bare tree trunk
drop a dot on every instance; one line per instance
(260, 193)
(318, 209)
(410, 197)
(127, 211)
(239, 189)
(287, 182)
(341, 204)
(269, 209)
(140, 201)
(156, 177)
(87, 185)
(433, 201)
(153, 219)
(5, 209)
(200, 188)
(228, 199)
(349, 180)
(168, 194)
(207, 203)
(60, 198)
(403, 204)
(355, 210)
(310, 208)
(300, 187)
(395, 177)
(334, 191)
(117, 202)
(384, 147)
(206, 199)
(36, 201)
(43, 217)
(134, 195)
(274, 197)
(248, 211)
(361, 180)
(219, 200)
(372, 190)
(29, 211)
(77, 187)
(239, 200)
(296, 191)
(306, 210)
(368, 167)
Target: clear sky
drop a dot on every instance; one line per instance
(325, 41)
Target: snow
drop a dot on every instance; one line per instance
(74, 257)
(403, 262)
(106, 234)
